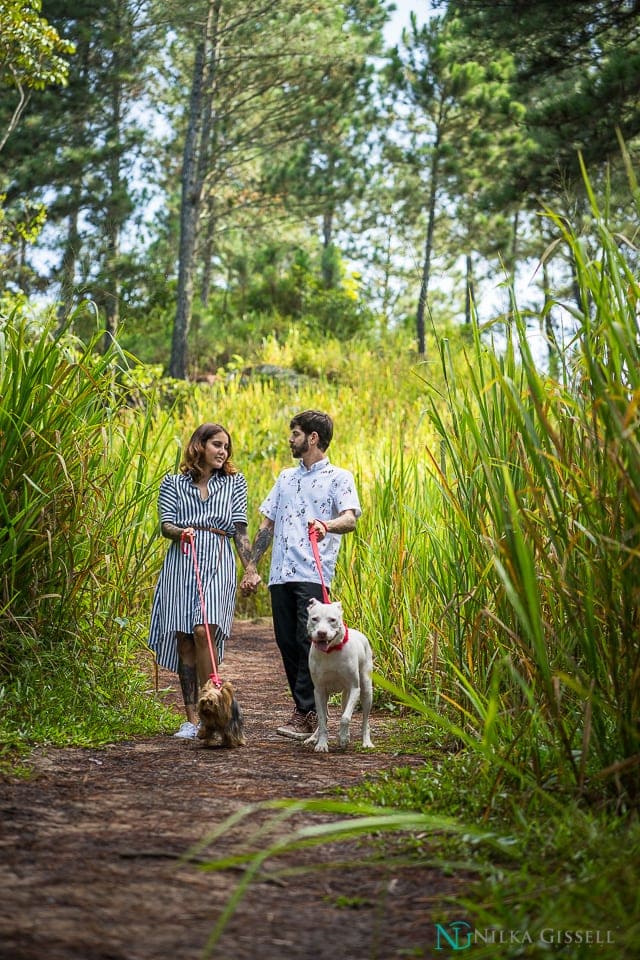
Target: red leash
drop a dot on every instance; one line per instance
(188, 546)
(313, 537)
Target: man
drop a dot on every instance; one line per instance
(313, 493)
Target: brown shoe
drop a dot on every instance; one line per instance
(300, 726)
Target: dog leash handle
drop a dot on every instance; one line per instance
(313, 538)
(188, 546)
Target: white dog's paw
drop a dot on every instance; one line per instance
(367, 742)
(322, 746)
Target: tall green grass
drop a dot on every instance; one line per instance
(77, 501)
(543, 478)
(503, 588)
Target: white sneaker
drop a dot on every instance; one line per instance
(188, 731)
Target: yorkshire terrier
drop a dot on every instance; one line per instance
(220, 715)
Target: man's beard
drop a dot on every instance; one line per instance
(297, 450)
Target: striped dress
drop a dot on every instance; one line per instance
(176, 601)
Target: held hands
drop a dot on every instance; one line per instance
(250, 583)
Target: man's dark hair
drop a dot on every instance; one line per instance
(311, 420)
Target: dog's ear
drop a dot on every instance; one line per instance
(339, 606)
(312, 603)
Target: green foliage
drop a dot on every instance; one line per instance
(63, 689)
(74, 153)
(33, 54)
(502, 590)
(498, 106)
(540, 865)
(574, 76)
(78, 471)
(275, 300)
(543, 478)
(299, 295)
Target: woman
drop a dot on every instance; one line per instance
(208, 500)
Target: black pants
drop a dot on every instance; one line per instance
(289, 602)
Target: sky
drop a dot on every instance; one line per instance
(400, 18)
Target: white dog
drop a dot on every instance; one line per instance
(340, 660)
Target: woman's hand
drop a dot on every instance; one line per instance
(173, 532)
(250, 582)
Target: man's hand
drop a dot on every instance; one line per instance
(320, 528)
(345, 522)
(250, 583)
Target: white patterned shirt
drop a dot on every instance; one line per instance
(300, 494)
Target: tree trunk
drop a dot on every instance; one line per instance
(550, 333)
(112, 286)
(330, 273)
(69, 258)
(207, 254)
(115, 213)
(575, 287)
(469, 295)
(515, 237)
(195, 157)
(428, 248)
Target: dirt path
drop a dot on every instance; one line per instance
(90, 847)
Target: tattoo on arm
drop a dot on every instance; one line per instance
(262, 540)
(345, 522)
(242, 544)
(171, 531)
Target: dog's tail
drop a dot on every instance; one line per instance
(236, 727)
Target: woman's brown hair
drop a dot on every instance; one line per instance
(193, 459)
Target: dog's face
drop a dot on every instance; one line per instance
(325, 625)
(214, 705)
(220, 715)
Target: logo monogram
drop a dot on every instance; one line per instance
(457, 934)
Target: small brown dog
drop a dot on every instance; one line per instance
(220, 715)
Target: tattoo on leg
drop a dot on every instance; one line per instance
(188, 682)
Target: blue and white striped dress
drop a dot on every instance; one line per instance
(176, 600)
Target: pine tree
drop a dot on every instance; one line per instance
(86, 140)
(460, 116)
(577, 74)
(257, 77)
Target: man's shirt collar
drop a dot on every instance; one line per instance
(318, 465)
